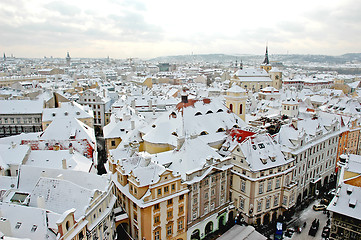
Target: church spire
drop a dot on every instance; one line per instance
(266, 61)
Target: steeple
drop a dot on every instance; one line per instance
(266, 61)
(68, 58)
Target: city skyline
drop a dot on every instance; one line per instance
(147, 29)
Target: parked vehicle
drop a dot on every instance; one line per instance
(325, 232)
(319, 207)
(324, 201)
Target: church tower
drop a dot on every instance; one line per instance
(68, 58)
(236, 100)
(266, 65)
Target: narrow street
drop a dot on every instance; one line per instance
(308, 215)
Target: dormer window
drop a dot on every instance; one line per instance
(18, 224)
(254, 147)
(210, 111)
(53, 114)
(174, 134)
(66, 113)
(220, 130)
(204, 133)
(352, 202)
(219, 110)
(33, 229)
(261, 145)
(197, 114)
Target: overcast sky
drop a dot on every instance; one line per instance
(151, 28)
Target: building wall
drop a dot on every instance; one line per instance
(12, 124)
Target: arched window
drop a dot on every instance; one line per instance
(219, 110)
(210, 111)
(231, 107)
(241, 109)
(197, 114)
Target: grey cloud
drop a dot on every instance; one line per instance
(133, 4)
(63, 8)
(133, 26)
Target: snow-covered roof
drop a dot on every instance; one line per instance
(24, 222)
(347, 201)
(208, 118)
(53, 191)
(262, 152)
(21, 107)
(13, 154)
(65, 128)
(67, 109)
(190, 157)
(54, 159)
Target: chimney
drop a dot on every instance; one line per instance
(184, 98)
(40, 200)
(132, 124)
(147, 160)
(56, 147)
(209, 160)
(64, 164)
(133, 103)
(71, 150)
(13, 145)
(180, 142)
(150, 104)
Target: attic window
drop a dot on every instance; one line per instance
(263, 160)
(173, 115)
(18, 224)
(261, 145)
(66, 113)
(219, 110)
(273, 159)
(53, 114)
(235, 126)
(349, 190)
(122, 129)
(204, 133)
(352, 202)
(254, 147)
(174, 134)
(220, 130)
(33, 229)
(210, 111)
(77, 113)
(197, 114)
(153, 126)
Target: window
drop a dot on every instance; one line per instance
(195, 200)
(113, 143)
(259, 206)
(205, 209)
(173, 187)
(241, 109)
(231, 107)
(169, 230)
(156, 206)
(278, 183)
(260, 189)
(285, 198)
(269, 185)
(180, 209)
(181, 197)
(18, 224)
(170, 201)
(276, 200)
(170, 214)
(206, 195)
(156, 235)
(241, 203)
(159, 191)
(243, 186)
(180, 224)
(166, 189)
(156, 219)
